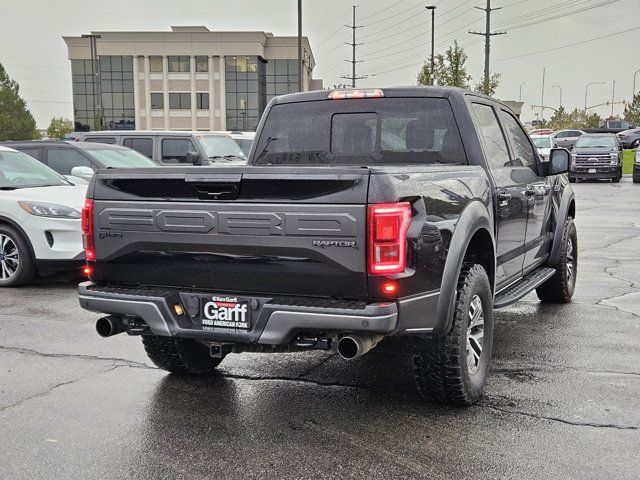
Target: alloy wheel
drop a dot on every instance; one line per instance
(9, 257)
(475, 334)
(570, 261)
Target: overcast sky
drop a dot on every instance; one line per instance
(395, 37)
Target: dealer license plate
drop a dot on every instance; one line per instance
(225, 312)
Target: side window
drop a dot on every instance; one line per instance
(62, 160)
(142, 145)
(32, 152)
(174, 150)
(495, 146)
(523, 155)
(109, 140)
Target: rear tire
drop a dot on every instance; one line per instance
(181, 356)
(453, 369)
(560, 287)
(17, 267)
(636, 177)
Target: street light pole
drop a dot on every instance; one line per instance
(586, 90)
(560, 88)
(634, 84)
(520, 96)
(96, 80)
(300, 68)
(433, 39)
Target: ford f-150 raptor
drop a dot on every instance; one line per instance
(362, 214)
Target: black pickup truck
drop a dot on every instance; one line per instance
(362, 214)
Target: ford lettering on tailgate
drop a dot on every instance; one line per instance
(229, 223)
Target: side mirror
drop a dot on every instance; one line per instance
(82, 172)
(559, 161)
(194, 158)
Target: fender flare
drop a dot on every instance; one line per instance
(474, 217)
(561, 213)
(21, 232)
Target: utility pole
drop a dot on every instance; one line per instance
(613, 97)
(353, 77)
(544, 73)
(487, 34)
(300, 67)
(520, 96)
(433, 39)
(634, 84)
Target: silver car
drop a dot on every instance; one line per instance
(566, 138)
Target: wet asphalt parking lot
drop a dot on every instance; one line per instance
(563, 398)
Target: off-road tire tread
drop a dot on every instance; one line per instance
(437, 363)
(179, 356)
(555, 290)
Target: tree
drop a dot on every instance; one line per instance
(59, 127)
(560, 120)
(453, 72)
(427, 76)
(632, 111)
(449, 69)
(490, 87)
(16, 122)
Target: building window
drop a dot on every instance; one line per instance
(245, 91)
(202, 64)
(83, 95)
(202, 101)
(281, 77)
(179, 64)
(116, 83)
(180, 101)
(155, 64)
(157, 101)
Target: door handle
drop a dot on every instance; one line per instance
(537, 190)
(503, 196)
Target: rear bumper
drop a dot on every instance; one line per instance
(276, 321)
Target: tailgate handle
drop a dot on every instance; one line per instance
(209, 179)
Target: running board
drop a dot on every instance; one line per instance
(522, 287)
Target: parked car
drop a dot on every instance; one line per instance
(636, 168)
(610, 126)
(337, 236)
(80, 160)
(541, 131)
(244, 139)
(175, 147)
(544, 144)
(566, 138)
(630, 138)
(596, 156)
(39, 220)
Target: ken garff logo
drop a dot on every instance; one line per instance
(334, 243)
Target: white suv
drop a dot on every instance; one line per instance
(40, 228)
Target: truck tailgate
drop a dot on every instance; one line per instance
(235, 230)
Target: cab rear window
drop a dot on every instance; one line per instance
(361, 132)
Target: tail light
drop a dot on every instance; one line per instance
(388, 224)
(88, 237)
